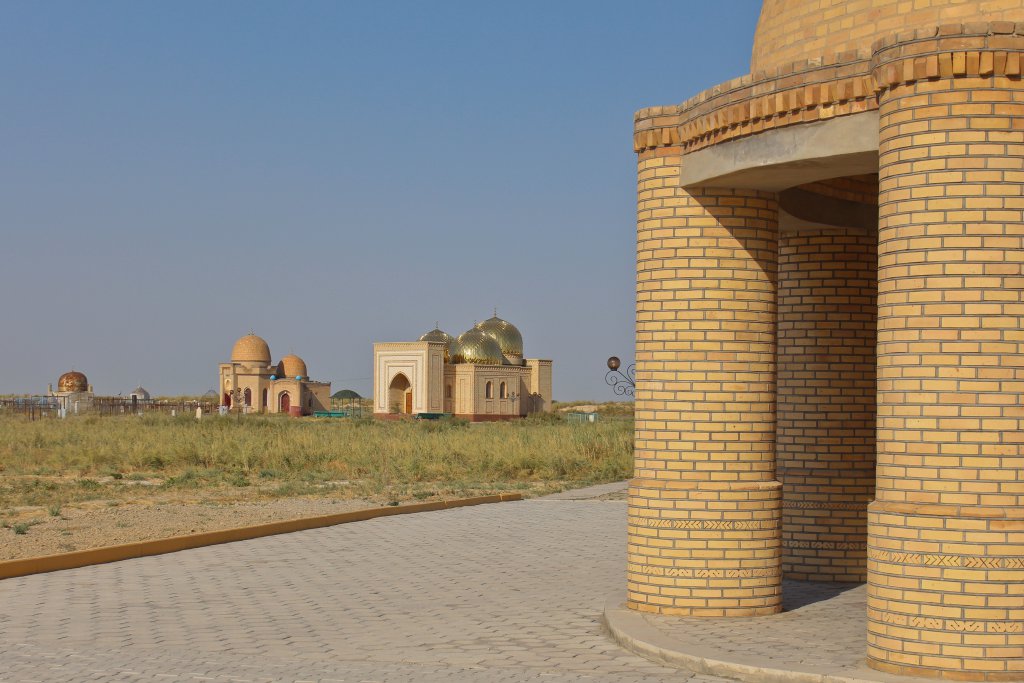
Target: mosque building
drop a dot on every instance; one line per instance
(481, 375)
(250, 381)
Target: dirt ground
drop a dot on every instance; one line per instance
(97, 523)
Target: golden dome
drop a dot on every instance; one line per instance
(439, 335)
(505, 333)
(291, 366)
(473, 346)
(73, 381)
(251, 349)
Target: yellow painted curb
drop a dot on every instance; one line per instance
(115, 553)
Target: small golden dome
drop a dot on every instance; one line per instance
(251, 349)
(473, 346)
(291, 366)
(73, 382)
(439, 335)
(505, 333)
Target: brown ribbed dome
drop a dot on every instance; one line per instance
(251, 349)
(291, 366)
(439, 335)
(73, 381)
(797, 30)
(473, 346)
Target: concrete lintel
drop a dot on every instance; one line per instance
(785, 157)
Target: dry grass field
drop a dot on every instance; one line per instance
(55, 470)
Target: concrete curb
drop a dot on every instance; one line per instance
(115, 553)
(630, 629)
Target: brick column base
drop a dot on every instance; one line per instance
(707, 549)
(946, 593)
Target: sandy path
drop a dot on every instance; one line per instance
(92, 525)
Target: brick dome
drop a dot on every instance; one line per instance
(251, 349)
(798, 30)
(291, 366)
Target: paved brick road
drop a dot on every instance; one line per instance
(506, 592)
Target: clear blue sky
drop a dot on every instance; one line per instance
(329, 174)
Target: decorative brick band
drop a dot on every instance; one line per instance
(956, 51)
(940, 560)
(704, 524)
(823, 505)
(824, 545)
(954, 625)
(685, 573)
(849, 84)
(815, 95)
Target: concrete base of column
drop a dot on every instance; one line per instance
(707, 549)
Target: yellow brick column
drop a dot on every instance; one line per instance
(704, 507)
(946, 531)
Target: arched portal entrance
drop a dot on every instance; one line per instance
(400, 395)
(248, 397)
(284, 402)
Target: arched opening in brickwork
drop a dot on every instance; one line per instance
(400, 394)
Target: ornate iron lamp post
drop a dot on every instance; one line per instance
(622, 383)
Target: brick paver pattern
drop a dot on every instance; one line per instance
(506, 592)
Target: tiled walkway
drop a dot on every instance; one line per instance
(505, 592)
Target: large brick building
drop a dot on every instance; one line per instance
(830, 348)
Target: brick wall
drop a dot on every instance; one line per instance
(826, 399)
(946, 542)
(704, 506)
(797, 30)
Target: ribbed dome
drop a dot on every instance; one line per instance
(140, 392)
(291, 366)
(473, 346)
(439, 335)
(73, 381)
(505, 333)
(251, 349)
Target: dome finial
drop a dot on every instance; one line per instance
(495, 311)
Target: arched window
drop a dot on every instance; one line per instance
(502, 391)
(263, 406)
(489, 390)
(248, 397)
(448, 391)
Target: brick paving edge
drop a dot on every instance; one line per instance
(115, 553)
(630, 630)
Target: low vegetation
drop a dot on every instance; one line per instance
(52, 463)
